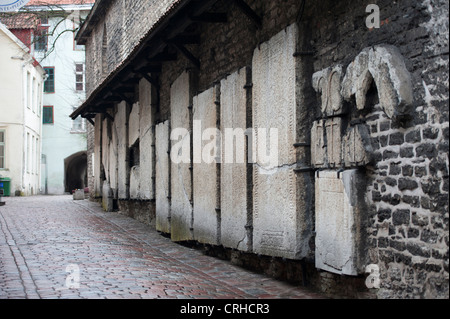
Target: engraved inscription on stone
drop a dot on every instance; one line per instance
(274, 93)
(328, 83)
(336, 237)
(277, 216)
(274, 219)
(234, 173)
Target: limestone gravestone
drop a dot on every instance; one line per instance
(278, 221)
(181, 181)
(121, 121)
(337, 222)
(233, 117)
(162, 167)
(206, 205)
(146, 140)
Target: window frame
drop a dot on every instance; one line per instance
(44, 116)
(41, 38)
(54, 79)
(83, 74)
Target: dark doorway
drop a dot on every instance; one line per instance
(75, 168)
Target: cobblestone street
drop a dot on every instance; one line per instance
(48, 243)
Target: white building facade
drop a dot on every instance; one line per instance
(21, 85)
(64, 142)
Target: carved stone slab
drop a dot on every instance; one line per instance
(133, 127)
(233, 179)
(334, 141)
(275, 213)
(356, 147)
(162, 191)
(135, 182)
(274, 94)
(318, 146)
(181, 183)
(278, 219)
(122, 151)
(337, 237)
(146, 140)
(328, 83)
(384, 65)
(206, 220)
(98, 185)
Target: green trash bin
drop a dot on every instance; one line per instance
(5, 185)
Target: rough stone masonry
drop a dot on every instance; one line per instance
(356, 204)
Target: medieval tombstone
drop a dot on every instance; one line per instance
(181, 182)
(233, 201)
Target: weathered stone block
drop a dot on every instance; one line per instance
(78, 194)
(133, 127)
(162, 166)
(107, 199)
(356, 147)
(146, 140)
(181, 180)
(338, 216)
(384, 65)
(206, 214)
(123, 169)
(328, 83)
(135, 182)
(113, 159)
(106, 138)
(274, 95)
(233, 179)
(280, 216)
(275, 220)
(334, 141)
(318, 147)
(98, 186)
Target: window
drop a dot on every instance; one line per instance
(36, 157)
(79, 77)
(41, 35)
(79, 124)
(28, 97)
(34, 95)
(41, 39)
(2, 149)
(47, 115)
(49, 84)
(28, 153)
(39, 100)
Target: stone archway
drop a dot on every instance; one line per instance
(75, 171)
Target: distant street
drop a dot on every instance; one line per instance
(56, 248)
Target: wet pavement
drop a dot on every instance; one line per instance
(52, 247)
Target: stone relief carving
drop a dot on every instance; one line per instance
(328, 83)
(384, 65)
(338, 206)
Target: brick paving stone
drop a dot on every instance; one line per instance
(117, 258)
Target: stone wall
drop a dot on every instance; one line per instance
(123, 24)
(358, 197)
